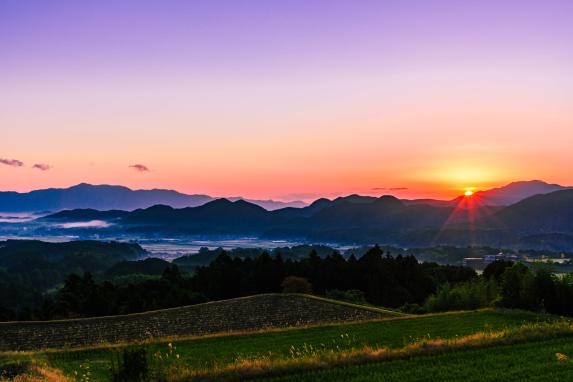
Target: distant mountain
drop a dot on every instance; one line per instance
(516, 191)
(218, 217)
(549, 213)
(105, 197)
(100, 197)
(542, 221)
(502, 196)
(82, 215)
(538, 222)
(271, 205)
(224, 217)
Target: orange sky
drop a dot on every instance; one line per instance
(327, 114)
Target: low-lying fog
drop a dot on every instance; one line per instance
(24, 226)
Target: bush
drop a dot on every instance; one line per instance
(293, 284)
(11, 370)
(465, 296)
(130, 365)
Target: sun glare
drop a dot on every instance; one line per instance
(468, 193)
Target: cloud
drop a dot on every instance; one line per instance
(140, 167)
(42, 166)
(11, 162)
(389, 188)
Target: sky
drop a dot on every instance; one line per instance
(286, 99)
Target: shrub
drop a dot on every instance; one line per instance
(11, 370)
(465, 296)
(130, 365)
(293, 284)
(166, 365)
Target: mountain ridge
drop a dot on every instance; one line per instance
(386, 220)
(110, 197)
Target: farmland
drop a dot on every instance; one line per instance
(220, 351)
(536, 361)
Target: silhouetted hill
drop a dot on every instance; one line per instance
(516, 191)
(220, 216)
(85, 215)
(106, 197)
(43, 265)
(550, 213)
(502, 196)
(355, 219)
(542, 213)
(100, 197)
(270, 204)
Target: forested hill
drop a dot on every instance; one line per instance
(29, 267)
(531, 223)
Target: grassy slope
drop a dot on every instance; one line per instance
(525, 362)
(226, 349)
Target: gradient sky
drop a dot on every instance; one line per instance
(289, 99)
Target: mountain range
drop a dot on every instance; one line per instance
(541, 221)
(106, 197)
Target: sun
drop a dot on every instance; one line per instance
(468, 193)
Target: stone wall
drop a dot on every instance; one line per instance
(247, 313)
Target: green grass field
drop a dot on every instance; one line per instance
(535, 361)
(219, 351)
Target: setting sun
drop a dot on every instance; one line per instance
(468, 193)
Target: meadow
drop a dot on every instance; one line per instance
(220, 351)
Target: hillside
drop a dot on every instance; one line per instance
(240, 314)
(550, 213)
(214, 353)
(30, 267)
(516, 192)
(537, 222)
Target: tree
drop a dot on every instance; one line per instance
(511, 284)
(293, 284)
(496, 269)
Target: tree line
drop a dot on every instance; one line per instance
(376, 278)
(509, 285)
(381, 279)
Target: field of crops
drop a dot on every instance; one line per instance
(219, 351)
(546, 361)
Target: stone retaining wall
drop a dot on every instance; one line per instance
(247, 313)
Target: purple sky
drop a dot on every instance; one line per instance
(337, 96)
(239, 35)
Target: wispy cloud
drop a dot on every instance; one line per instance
(389, 188)
(140, 167)
(11, 162)
(42, 166)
